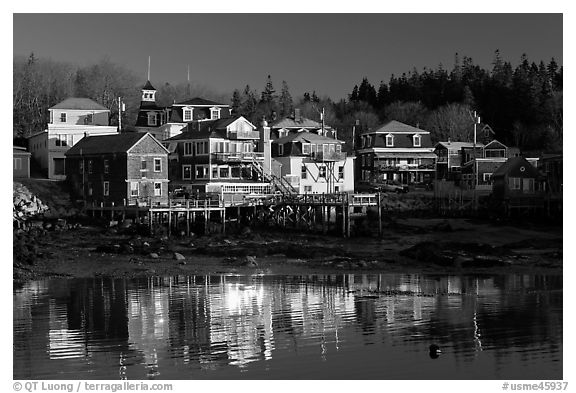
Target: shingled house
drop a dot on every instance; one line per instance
(395, 152)
(130, 168)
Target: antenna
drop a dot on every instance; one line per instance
(148, 67)
(188, 92)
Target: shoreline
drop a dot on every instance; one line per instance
(410, 245)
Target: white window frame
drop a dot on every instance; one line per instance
(134, 188)
(417, 140)
(306, 149)
(307, 189)
(338, 148)
(157, 163)
(303, 172)
(106, 188)
(389, 140)
(322, 171)
(224, 167)
(280, 149)
(188, 149)
(157, 190)
(184, 171)
(152, 119)
(341, 172)
(214, 110)
(63, 117)
(487, 177)
(187, 114)
(204, 171)
(17, 163)
(201, 148)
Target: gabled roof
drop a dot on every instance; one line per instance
(516, 167)
(495, 145)
(103, 144)
(290, 122)
(459, 145)
(79, 104)
(207, 129)
(197, 101)
(401, 140)
(148, 86)
(394, 126)
(19, 150)
(306, 137)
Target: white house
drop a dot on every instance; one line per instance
(70, 121)
(313, 163)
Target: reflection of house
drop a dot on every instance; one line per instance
(129, 168)
(167, 122)
(313, 163)
(516, 178)
(228, 156)
(21, 160)
(70, 120)
(551, 165)
(396, 151)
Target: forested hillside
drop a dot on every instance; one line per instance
(522, 104)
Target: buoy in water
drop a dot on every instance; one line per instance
(434, 351)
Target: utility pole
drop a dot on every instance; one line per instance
(121, 108)
(475, 167)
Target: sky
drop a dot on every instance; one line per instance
(326, 53)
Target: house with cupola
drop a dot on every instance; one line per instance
(395, 152)
(228, 156)
(70, 120)
(296, 123)
(166, 122)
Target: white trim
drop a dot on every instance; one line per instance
(189, 167)
(140, 140)
(106, 188)
(160, 160)
(388, 136)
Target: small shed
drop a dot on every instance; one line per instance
(21, 159)
(516, 178)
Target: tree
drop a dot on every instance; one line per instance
(236, 102)
(412, 113)
(285, 103)
(451, 121)
(249, 102)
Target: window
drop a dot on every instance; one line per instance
(62, 117)
(81, 166)
(306, 148)
(417, 139)
(215, 113)
(63, 140)
(89, 119)
(322, 171)
(338, 148)
(514, 183)
(157, 189)
(280, 149)
(313, 148)
(235, 171)
(134, 188)
(389, 140)
(487, 177)
(201, 148)
(369, 141)
(340, 172)
(528, 186)
(90, 189)
(224, 172)
(17, 163)
(151, 119)
(106, 188)
(187, 148)
(90, 166)
(187, 114)
(307, 188)
(303, 172)
(106, 166)
(186, 172)
(157, 165)
(202, 171)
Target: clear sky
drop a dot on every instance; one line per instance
(328, 53)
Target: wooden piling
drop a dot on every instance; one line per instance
(379, 206)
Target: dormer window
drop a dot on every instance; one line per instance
(389, 140)
(151, 119)
(187, 114)
(417, 139)
(214, 113)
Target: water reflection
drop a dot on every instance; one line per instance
(333, 326)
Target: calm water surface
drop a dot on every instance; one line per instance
(290, 327)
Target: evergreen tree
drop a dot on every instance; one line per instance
(285, 103)
(236, 102)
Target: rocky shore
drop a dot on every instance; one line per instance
(52, 243)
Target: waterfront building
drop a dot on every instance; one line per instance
(395, 152)
(128, 168)
(70, 121)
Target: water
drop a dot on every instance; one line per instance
(290, 327)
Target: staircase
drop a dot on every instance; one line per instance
(279, 183)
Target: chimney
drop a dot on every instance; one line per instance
(297, 116)
(448, 140)
(265, 146)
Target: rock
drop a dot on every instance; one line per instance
(249, 261)
(179, 257)
(153, 255)
(112, 224)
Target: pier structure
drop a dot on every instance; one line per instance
(321, 213)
